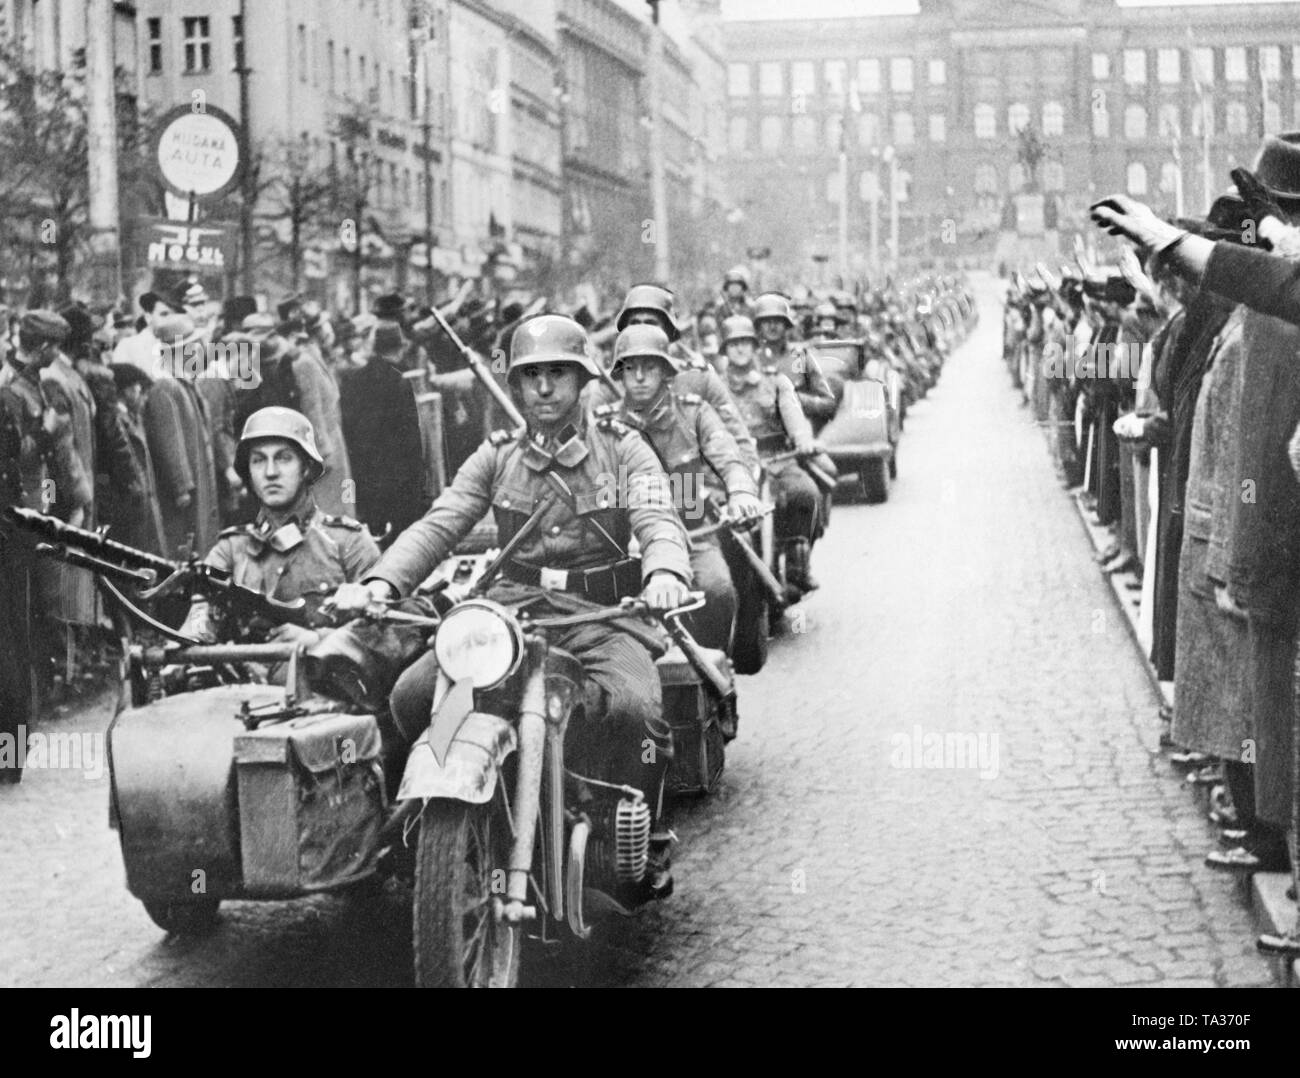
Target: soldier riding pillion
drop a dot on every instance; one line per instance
(699, 455)
(767, 400)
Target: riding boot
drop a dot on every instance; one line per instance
(796, 565)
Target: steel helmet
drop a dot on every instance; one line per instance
(737, 275)
(773, 305)
(550, 338)
(738, 328)
(285, 423)
(844, 301)
(825, 310)
(649, 297)
(637, 342)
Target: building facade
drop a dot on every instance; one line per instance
(1159, 102)
(513, 134)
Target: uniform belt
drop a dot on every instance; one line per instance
(604, 584)
(772, 443)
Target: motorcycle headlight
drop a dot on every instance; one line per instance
(481, 641)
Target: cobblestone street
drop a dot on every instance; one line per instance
(1066, 854)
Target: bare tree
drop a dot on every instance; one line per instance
(299, 192)
(44, 184)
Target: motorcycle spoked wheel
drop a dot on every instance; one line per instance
(456, 940)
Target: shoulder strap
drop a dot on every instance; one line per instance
(566, 495)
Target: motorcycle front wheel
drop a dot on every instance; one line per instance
(460, 867)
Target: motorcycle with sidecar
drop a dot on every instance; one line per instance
(224, 786)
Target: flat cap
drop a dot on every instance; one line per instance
(43, 325)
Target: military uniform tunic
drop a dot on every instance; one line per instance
(700, 458)
(615, 481)
(311, 558)
(800, 366)
(770, 406)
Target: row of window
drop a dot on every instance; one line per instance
(868, 76)
(343, 74)
(809, 133)
(1203, 62)
(391, 187)
(988, 179)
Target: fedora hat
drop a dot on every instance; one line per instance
(1278, 165)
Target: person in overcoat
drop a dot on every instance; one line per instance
(382, 429)
(180, 444)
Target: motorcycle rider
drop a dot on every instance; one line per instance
(771, 407)
(699, 456)
(826, 325)
(292, 548)
(573, 555)
(735, 293)
(652, 305)
(846, 312)
(773, 321)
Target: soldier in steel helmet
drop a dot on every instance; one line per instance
(598, 485)
(774, 322)
(771, 407)
(826, 324)
(698, 454)
(846, 312)
(735, 293)
(652, 305)
(292, 549)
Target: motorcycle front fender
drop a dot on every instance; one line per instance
(470, 769)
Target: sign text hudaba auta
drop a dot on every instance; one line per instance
(199, 153)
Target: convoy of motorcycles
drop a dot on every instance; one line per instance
(260, 771)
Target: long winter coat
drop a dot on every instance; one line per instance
(176, 425)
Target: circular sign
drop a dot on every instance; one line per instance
(199, 153)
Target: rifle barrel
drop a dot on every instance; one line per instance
(480, 370)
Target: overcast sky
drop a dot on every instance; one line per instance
(783, 9)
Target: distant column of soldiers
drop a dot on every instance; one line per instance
(166, 427)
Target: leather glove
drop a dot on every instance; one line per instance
(665, 591)
(1259, 203)
(1123, 216)
(353, 600)
(743, 507)
(294, 634)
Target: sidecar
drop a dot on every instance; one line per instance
(240, 791)
(862, 437)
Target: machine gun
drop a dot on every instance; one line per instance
(152, 578)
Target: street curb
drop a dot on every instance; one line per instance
(1273, 911)
(1127, 598)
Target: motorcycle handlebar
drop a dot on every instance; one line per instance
(232, 653)
(632, 606)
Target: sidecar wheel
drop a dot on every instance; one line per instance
(463, 851)
(183, 918)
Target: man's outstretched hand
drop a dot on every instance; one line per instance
(1135, 221)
